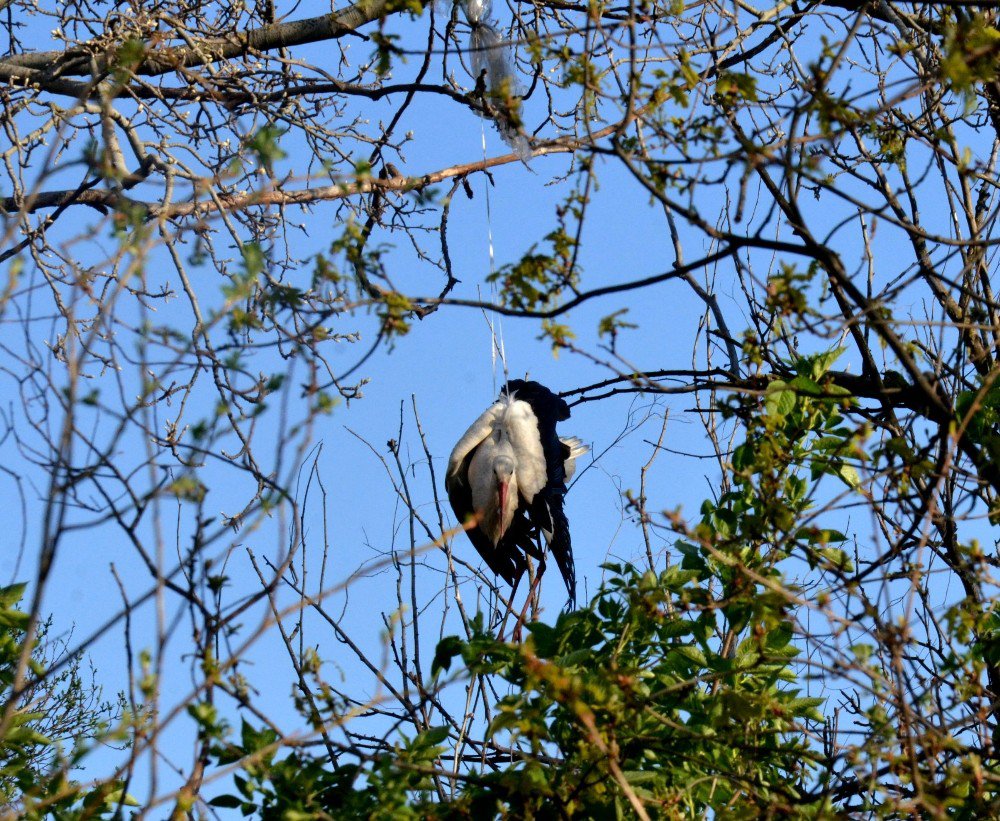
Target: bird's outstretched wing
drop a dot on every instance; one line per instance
(504, 559)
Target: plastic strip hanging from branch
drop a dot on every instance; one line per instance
(493, 67)
(497, 347)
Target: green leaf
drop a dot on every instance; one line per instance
(253, 259)
(14, 619)
(256, 740)
(736, 86)
(613, 323)
(264, 144)
(838, 558)
(11, 594)
(433, 736)
(807, 386)
(691, 653)
(862, 652)
(779, 401)
(808, 708)
(849, 475)
(693, 558)
(778, 637)
(544, 639)
(446, 650)
(822, 363)
(226, 801)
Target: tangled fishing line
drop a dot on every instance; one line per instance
(493, 68)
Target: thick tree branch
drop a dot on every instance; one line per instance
(80, 61)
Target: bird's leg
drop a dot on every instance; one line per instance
(536, 607)
(520, 567)
(534, 591)
(510, 606)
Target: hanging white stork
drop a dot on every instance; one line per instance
(506, 480)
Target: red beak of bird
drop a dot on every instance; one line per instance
(502, 492)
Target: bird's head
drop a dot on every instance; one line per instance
(503, 469)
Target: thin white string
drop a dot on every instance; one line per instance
(495, 321)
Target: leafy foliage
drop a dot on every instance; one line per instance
(675, 691)
(633, 698)
(39, 721)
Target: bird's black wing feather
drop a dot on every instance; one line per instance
(522, 535)
(547, 511)
(543, 402)
(504, 559)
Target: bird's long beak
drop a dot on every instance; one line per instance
(502, 490)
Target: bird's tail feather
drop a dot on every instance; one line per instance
(573, 449)
(560, 544)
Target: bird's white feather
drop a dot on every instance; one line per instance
(502, 442)
(521, 427)
(476, 433)
(576, 450)
(492, 462)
